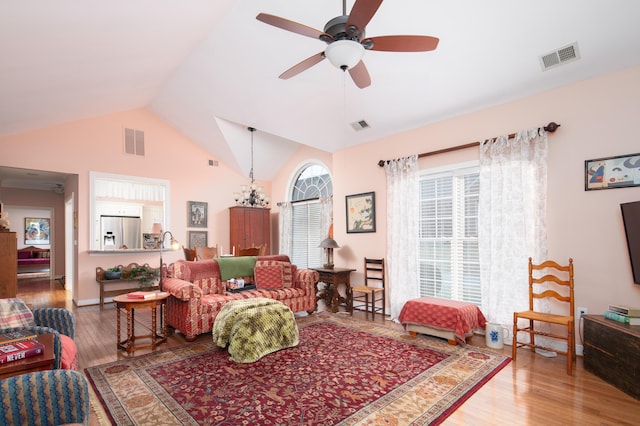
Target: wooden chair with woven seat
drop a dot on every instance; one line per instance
(207, 252)
(190, 254)
(373, 290)
(548, 280)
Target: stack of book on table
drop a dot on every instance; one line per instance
(623, 314)
(18, 345)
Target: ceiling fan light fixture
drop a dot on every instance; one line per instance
(344, 54)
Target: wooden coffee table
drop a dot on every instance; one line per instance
(130, 305)
(34, 363)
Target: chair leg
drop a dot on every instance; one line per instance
(532, 336)
(570, 348)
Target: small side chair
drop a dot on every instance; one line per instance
(373, 290)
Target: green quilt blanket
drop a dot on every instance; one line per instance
(253, 328)
(236, 267)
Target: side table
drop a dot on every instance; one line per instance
(41, 362)
(333, 277)
(130, 305)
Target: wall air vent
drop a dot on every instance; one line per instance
(360, 125)
(560, 56)
(134, 142)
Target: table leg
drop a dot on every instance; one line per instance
(153, 327)
(117, 326)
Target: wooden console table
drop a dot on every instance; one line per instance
(126, 284)
(612, 352)
(333, 277)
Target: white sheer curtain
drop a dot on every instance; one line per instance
(402, 232)
(512, 220)
(326, 217)
(286, 228)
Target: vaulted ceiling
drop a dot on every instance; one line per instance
(210, 69)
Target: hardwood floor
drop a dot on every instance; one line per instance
(535, 390)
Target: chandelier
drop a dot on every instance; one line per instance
(251, 195)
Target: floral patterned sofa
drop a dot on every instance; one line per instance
(198, 289)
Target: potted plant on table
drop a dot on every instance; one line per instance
(114, 273)
(146, 276)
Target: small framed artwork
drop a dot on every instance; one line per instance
(621, 171)
(37, 230)
(197, 238)
(151, 241)
(197, 214)
(361, 212)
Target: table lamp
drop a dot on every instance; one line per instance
(328, 244)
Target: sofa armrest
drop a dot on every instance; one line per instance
(60, 319)
(181, 289)
(306, 279)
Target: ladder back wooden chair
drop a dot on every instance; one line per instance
(190, 254)
(373, 290)
(252, 251)
(552, 281)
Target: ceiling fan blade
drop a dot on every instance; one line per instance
(402, 43)
(302, 66)
(361, 13)
(360, 75)
(288, 25)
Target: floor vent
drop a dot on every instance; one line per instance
(360, 125)
(560, 56)
(134, 142)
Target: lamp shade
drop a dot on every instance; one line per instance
(329, 243)
(344, 54)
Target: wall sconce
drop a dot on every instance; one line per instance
(328, 244)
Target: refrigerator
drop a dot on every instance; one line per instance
(120, 232)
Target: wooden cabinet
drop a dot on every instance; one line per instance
(612, 352)
(250, 227)
(8, 264)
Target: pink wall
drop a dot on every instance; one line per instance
(598, 118)
(97, 145)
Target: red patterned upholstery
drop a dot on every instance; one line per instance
(197, 292)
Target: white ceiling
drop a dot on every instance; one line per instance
(210, 69)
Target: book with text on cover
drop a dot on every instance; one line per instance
(142, 295)
(16, 336)
(20, 350)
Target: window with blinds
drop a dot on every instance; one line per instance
(312, 182)
(306, 251)
(449, 259)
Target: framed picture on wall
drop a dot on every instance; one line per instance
(36, 230)
(197, 238)
(621, 171)
(361, 212)
(197, 214)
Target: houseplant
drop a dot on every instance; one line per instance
(114, 273)
(145, 275)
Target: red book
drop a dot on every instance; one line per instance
(141, 295)
(20, 350)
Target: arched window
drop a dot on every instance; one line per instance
(310, 193)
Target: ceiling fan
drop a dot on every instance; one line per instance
(346, 40)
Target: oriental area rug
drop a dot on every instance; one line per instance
(343, 372)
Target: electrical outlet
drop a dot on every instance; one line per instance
(581, 312)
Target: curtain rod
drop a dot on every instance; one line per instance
(551, 127)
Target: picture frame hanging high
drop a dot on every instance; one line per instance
(621, 171)
(361, 212)
(197, 214)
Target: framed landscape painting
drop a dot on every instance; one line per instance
(361, 212)
(36, 230)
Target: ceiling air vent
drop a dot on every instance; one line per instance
(134, 141)
(560, 56)
(360, 125)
